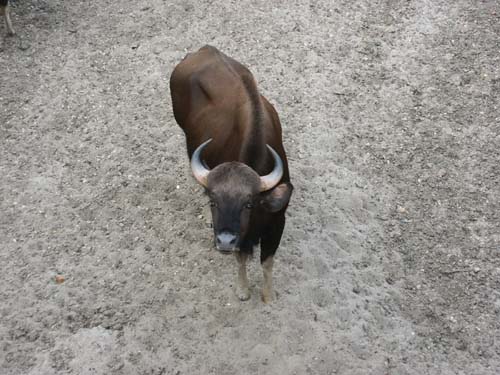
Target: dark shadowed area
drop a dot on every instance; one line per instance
(390, 260)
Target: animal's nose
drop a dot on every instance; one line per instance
(226, 241)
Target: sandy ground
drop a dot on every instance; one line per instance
(390, 261)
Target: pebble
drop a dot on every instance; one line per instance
(59, 279)
(23, 46)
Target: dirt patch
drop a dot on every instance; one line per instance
(390, 259)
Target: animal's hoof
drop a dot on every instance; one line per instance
(243, 294)
(267, 297)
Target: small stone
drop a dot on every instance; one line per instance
(23, 46)
(59, 279)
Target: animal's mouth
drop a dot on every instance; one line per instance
(226, 252)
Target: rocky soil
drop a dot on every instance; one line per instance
(390, 261)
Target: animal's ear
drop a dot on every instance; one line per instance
(277, 198)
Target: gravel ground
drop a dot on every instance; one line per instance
(390, 261)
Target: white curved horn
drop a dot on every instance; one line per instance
(269, 181)
(199, 170)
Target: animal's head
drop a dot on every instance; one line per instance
(236, 192)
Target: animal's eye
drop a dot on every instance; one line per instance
(213, 204)
(249, 205)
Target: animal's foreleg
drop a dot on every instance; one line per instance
(267, 288)
(243, 291)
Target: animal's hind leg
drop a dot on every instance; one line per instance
(268, 246)
(5, 10)
(243, 290)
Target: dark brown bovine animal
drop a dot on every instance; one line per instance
(233, 137)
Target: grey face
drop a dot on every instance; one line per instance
(233, 189)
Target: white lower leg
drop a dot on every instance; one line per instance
(6, 13)
(243, 291)
(267, 289)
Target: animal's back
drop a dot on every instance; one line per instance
(214, 96)
(206, 77)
